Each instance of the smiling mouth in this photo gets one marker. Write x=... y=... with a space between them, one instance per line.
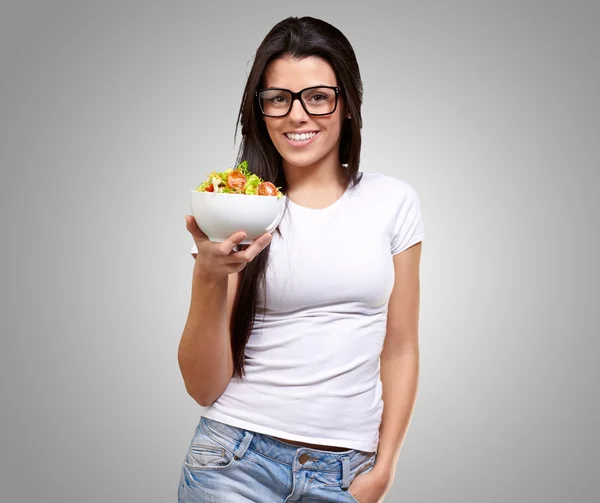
x=302 y=136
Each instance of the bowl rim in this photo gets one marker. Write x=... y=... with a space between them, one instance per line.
x=213 y=194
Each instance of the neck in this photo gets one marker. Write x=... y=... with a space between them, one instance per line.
x=317 y=185
x=325 y=176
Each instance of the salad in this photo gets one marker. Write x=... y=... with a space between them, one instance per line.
x=238 y=181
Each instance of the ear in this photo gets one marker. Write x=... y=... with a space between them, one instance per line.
x=344 y=108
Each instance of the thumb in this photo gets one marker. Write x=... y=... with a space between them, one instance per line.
x=194 y=230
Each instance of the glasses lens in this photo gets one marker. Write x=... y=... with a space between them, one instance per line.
x=319 y=100
x=275 y=102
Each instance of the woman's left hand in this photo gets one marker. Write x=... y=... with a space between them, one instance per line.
x=371 y=487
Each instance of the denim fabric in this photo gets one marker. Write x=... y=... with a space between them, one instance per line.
x=226 y=464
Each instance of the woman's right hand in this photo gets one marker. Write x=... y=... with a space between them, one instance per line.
x=219 y=260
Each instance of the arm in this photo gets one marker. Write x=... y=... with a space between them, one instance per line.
x=399 y=361
x=204 y=354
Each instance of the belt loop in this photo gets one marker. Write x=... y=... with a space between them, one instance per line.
x=345 y=473
x=243 y=447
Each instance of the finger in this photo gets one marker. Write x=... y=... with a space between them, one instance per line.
x=227 y=246
x=195 y=231
x=250 y=253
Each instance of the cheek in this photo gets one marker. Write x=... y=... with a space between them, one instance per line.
x=334 y=130
x=273 y=131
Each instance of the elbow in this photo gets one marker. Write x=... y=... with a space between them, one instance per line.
x=201 y=398
x=193 y=386
x=204 y=401
x=202 y=395
x=203 y=386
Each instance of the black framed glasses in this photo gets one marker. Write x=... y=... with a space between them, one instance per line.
x=317 y=100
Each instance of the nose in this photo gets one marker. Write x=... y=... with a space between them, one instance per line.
x=297 y=113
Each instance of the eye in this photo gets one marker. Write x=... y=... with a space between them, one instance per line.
x=277 y=99
x=319 y=97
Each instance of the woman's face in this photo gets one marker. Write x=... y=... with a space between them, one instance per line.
x=295 y=75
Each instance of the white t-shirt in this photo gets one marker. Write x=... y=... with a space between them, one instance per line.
x=312 y=360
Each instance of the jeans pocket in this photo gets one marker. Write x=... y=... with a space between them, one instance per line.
x=207 y=453
x=366 y=466
x=352 y=498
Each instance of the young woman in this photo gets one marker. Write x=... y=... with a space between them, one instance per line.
x=296 y=342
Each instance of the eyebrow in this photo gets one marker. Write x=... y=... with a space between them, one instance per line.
x=307 y=87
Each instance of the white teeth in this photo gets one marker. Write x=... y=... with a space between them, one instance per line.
x=300 y=137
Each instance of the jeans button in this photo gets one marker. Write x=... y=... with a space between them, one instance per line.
x=303 y=458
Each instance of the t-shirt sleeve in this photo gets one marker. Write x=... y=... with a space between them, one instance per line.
x=408 y=224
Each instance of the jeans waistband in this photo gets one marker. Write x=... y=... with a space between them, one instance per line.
x=240 y=439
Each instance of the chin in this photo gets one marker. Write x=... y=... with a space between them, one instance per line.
x=303 y=161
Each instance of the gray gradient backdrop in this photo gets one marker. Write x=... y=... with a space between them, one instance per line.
x=110 y=112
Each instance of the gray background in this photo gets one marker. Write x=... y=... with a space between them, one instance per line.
x=110 y=112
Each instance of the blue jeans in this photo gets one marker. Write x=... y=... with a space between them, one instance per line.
x=226 y=464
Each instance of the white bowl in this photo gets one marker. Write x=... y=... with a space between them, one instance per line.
x=221 y=215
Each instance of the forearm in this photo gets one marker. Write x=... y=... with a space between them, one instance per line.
x=204 y=353
x=399 y=378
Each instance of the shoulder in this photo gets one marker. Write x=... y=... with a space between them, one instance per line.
x=388 y=205
x=386 y=189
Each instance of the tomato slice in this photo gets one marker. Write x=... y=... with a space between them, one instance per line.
x=266 y=189
x=209 y=188
x=236 y=180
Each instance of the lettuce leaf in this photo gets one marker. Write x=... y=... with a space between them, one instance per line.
x=252 y=184
x=252 y=181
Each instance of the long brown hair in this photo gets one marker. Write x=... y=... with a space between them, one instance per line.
x=298 y=37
